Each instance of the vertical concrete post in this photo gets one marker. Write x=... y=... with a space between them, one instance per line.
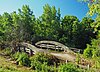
x=19 y=49
x=55 y=47
x=30 y=52
x=24 y=49
x=66 y=61
x=88 y=66
x=47 y=46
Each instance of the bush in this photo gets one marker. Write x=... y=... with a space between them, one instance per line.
x=97 y=62
x=93 y=50
x=78 y=58
x=96 y=48
x=88 y=52
x=96 y=52
x=22 y=58
x=16 y=55
x=42 y=62
x=69 y=67
x=7 y=51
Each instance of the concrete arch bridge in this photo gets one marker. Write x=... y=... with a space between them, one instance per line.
x=43 y=46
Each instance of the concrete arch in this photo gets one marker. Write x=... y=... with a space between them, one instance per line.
x=53 y=43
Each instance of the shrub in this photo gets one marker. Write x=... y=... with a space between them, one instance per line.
x=96 y=52
x=22 y=58
x=78 y=58
x=7 y=51
x=93 y=50
x=41 y=62
x=69 y=67
x=43 y=57
x=97 y=62
x=96 y=48
x=88 y=52
x=16 y=55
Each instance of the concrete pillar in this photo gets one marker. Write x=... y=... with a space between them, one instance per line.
x=55 y=47
x=30 y=52
x=24 y=49
x=88 y=66
x=66 y=61
x=19 y=49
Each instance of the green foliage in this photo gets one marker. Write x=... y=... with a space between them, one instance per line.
x=88 y=52
x=6 y=26
x=96 y=26
x=94 y=9
x=86 y=32
x=69 y=67
x=93 y=51
x=43 y=62
x=26 y=22
x=97 y=62
x=16 y=55
x=48 y=23
x=94 y=6
x=7 y=51
x=23 y=26
x=72 y=31
x=96 y=52
x=17 y=27
x=22 y=59
x=78 y=58
x=7 y=69
x=69 y=27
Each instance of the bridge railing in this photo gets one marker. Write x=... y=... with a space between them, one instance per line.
x=52 y=45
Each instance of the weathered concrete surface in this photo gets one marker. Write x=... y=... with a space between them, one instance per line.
x=65 y=48
x=63 y=56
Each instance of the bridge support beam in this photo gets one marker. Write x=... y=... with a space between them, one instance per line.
x=24 y=49
x=19 y=49
x=30 y=52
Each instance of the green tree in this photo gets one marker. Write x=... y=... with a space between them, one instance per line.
x=94 y=6
x=15 y=23
x=17 y=27
x=94 y=9
x=69 y=28
x=1 y=29
x=86 y=32
x=94 y=47
x=26 y=23
x=96 y=26
x=6 y=26
x=48 y=24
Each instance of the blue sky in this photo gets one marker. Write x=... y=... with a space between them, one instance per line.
x=68 y=7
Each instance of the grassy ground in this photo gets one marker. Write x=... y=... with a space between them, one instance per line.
x=8 y=66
